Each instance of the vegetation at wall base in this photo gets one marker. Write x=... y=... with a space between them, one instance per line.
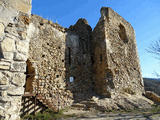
x=46 y=115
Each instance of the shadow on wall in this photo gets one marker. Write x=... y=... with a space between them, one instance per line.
x=30 y=76
x=31 y=106
x=78 y=61
x=103 y=73
x=1 y=53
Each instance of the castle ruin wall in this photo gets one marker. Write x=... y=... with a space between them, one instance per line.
x=117 y=68
x=63 y=62
x=14 y=44
x=62 y=66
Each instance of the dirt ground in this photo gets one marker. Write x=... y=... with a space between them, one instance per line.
x=88 y=115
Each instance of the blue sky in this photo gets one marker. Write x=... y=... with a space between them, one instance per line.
x=144 y=15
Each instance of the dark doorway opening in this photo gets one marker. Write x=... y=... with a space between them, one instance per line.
x=30 y=76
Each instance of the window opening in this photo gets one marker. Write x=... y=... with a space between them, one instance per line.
x=71 y=79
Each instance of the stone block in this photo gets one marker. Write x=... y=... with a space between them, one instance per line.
x=22 y=46
x=3 y=94
x=8 y=55
x=15 y=106
x=8 y=45
x=4 y=65
x=1 y=29
x=19 y=79
x=14 y=116
x=6 y=100
x=3 y=79
x=20 y=57
x=23 y=35
x=11 y=36
x=18 y=66
x=7 y=13
x=12 y=31
x=20 y=5
x=15 y=91
x=3 y=87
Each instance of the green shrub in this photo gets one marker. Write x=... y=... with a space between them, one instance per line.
x=46 y=115
x=155 y=109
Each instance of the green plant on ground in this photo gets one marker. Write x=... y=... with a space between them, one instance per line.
x=155 y=108
x=47 y=115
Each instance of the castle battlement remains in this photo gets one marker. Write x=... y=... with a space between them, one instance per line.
x=61 y=66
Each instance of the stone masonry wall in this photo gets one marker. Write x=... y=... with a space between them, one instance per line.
x=14 y=44
x=60 y=55
x=49 y=58
x=61 y=66
x=47 y=52
x=80 y=65
x=117 y=67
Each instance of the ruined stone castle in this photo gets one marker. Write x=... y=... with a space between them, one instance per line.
x=61 y=66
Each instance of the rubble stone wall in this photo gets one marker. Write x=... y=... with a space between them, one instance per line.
x=14 y=44
x=62 y=62
x=80 y=67
x=49 y=59
x=117 y=67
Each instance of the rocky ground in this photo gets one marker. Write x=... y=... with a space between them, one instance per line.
x=136 y=107
x=95 y=109
x=94 y=115
x=120 y=102
x=111 y=116
x=132 y=108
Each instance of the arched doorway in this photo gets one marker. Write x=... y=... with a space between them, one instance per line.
x=30 y=76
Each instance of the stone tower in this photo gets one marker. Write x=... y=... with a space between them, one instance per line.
x=14 y=44
x=116 y=64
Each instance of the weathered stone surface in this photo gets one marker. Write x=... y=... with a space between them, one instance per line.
x=18 y=66
x=20 y=56
x=18 y=5
x=7 y=14
x=5 y=65
x=19 y=79
x=3 y=94
x=4 y=87
x=53 y=42
x=14 y=43
x=15 y=91
x=121 y=102
x=8 y=45
x=22 y=46
x=8 y=55
x=115 y=54
x=3 y=79
x=21 y=5
x=1 y=29
x=12 y=107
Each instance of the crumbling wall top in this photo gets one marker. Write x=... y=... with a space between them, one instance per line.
x=104 y=11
